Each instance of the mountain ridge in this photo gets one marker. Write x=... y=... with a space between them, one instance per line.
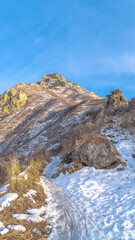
x=17 y=96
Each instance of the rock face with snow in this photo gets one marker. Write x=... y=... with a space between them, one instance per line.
x=96 y=152
x=116 y=101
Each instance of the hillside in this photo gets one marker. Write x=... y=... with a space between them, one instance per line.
x=73 y=153
x=42 y=116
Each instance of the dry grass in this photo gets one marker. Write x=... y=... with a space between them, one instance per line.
x=10 y=167
x=19 y=206
x=36 y=168
x=13 y=168
x=20 y=185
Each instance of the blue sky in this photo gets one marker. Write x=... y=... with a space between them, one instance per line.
x=90 y=42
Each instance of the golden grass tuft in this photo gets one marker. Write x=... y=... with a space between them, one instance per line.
x=36 y=168
x=13 y=168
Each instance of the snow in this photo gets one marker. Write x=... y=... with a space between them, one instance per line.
x=24 y=172
x=62 y=215
x=52 y=167
x=38 y=211
x=68 y=221
x=107 y=197
x=29 y=194
x=3 y=230
x=93 y=203
x=25 y=176
x=94 y=95
x=33 y=216
x=20 y=216
x=54 y=146
x=4 y=189
x=6 y=199
x=17 y=227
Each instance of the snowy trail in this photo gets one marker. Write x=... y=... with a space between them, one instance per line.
x=70 y=222
x=66 y=225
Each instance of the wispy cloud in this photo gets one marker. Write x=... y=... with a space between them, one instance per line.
x=86 y=66
x=124 y=63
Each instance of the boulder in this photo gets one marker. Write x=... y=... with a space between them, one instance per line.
x=96 y=152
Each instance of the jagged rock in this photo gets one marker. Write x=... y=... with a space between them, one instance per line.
x=116 y=101
x=55 y=80
x=96 y=152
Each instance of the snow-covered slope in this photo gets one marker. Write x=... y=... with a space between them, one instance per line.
x=105 y=199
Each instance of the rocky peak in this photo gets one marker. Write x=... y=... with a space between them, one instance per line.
x=116 y=101
x=55 y=80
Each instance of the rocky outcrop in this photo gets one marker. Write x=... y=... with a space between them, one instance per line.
x=96 y=152
x=132 y=104
x=116 y=101
x=13 y=99
x=55 y=80
x=16 y=97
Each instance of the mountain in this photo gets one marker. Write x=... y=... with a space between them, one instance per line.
x=67 y=165
x=43 y=113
